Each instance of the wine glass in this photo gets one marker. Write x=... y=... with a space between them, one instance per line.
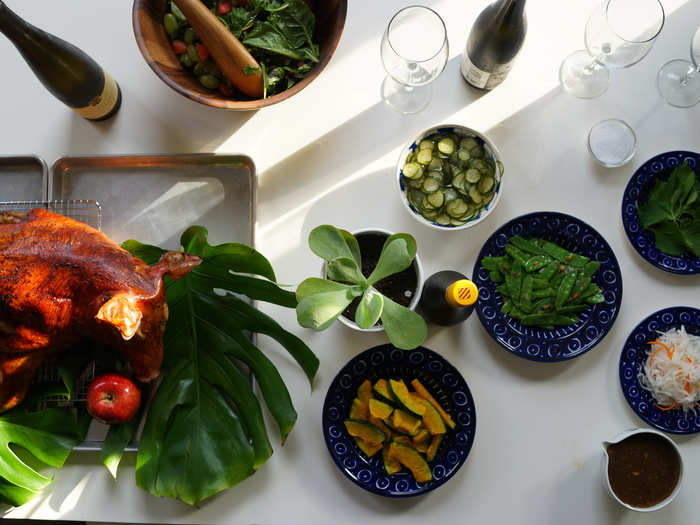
x=414 y=52
x=679 y=80
x=619 y=33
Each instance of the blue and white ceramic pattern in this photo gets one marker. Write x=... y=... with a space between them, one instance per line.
x=566 y=342
x=633 y=357
x=489 y=149
x=443 y=381
x=637 y=191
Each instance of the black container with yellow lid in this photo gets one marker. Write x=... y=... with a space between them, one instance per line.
x=448 y=298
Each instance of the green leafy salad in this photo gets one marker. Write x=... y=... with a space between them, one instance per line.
x=672 y=212
x=279 y=34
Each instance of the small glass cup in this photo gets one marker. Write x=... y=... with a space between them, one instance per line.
x=612 y=143
x=414 y=51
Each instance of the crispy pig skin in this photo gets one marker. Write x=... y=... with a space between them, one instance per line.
x=62 y=282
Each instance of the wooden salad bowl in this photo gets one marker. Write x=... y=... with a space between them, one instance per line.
x=147 y=17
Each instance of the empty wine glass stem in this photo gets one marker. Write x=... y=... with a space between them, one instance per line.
x=593 y=66
x=692 y=72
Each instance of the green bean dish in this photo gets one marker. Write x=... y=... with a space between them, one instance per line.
x=543 y=284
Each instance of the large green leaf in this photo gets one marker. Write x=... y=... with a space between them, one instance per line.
x=44 y=437
x=345 y=269
x=328 y=242
x=398 y=253
x=370 y=308
x=318 y=310
x=404 y=328
x=204 y=431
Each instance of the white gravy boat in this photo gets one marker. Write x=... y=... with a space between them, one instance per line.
x=606 y=459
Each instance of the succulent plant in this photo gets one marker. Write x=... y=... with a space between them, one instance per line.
x=321 y=301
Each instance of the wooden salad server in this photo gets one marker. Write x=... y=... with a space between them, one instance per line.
x=227 y=51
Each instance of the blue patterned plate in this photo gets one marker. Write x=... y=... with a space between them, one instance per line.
x=565 y=342
x=632 y=359
x=638 y=188
x=443 y=381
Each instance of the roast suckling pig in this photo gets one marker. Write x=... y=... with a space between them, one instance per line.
x=62 y=282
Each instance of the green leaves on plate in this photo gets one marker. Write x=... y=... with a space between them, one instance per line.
x=204 y=431
x=672 y=212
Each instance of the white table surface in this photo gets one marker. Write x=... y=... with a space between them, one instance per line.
x=327 y=156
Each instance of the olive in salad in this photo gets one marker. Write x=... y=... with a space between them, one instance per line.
x=449 y=179
x=278 y=33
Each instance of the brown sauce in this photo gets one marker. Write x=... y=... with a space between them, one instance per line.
x=643 y=469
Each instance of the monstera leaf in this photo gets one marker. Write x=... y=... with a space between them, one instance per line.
x=31 y=440
x=204 y=431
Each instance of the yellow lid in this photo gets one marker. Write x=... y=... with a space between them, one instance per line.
x=461 y=293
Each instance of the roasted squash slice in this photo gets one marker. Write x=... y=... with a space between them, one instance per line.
x=364 y=391
x=405 y=422
x=379 y=409
x=369 y=449
x=409 y=401
x=404 y=440
x=381 y=388
x=412 y=460
x=359 y=410
x=381 y=426
x=423 y=392
x=366 y=431
x=421 y=440
x=432 y=419
x=392 y=466
x=433 y=448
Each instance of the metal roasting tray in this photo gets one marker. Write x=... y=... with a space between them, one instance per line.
x=152 y=198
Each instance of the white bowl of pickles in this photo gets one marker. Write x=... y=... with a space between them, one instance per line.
x=450 y=177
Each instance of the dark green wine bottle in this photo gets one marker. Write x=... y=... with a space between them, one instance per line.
x=67 y=72
x=494 y=42
x=447 y=298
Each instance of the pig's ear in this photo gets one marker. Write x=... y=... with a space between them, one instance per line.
x=123 y=313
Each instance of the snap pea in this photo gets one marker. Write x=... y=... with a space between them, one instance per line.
x=564 y=290
x=591 y=289
x=596 y=298
x=507 y=306
x=548 y=271
x=582 y=282
x=543 y=305
x=493 y=263
x=526 y=293
x=563 y=255
x=526 y=245
x=549 y=319
x=591 y=268
x=496 y=276
x=572 y=309
x=503 y=289
x=538 y=283
x=516 y=279
x=543 y=292
x=516 y=254
x=536 y=262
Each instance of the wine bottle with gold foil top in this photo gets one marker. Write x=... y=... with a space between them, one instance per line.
x=67 y=72
x=448 y=298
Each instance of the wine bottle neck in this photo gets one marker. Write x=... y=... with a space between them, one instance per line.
x=12 y=25
x=511 y=9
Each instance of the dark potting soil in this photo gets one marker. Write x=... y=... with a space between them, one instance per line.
x=399 y=287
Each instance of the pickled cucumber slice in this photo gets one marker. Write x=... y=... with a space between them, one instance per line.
x=485 y=184
x=416 y=183
x=430 y=185
x=411 y=170
x=437 y=198
x=474 y=195
x=468 y=143
x=446 y=146
x=426 y=144
x=424 y=156
x=473 y=175
x=456 y=208
x=443 y=219
x=435 y=164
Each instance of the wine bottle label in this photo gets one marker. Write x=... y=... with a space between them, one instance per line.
x=102 y=103
x=480 y=78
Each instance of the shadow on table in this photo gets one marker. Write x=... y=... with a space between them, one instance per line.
x=174 y=124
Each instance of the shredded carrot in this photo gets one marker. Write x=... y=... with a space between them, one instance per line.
x=670 y=407
x=669 y=351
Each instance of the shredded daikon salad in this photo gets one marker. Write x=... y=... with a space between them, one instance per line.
x=672 y=370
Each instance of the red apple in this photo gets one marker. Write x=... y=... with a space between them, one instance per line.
x=113 y=399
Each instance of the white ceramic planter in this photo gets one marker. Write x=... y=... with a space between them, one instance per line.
x=414 y=300
x=622 y=437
